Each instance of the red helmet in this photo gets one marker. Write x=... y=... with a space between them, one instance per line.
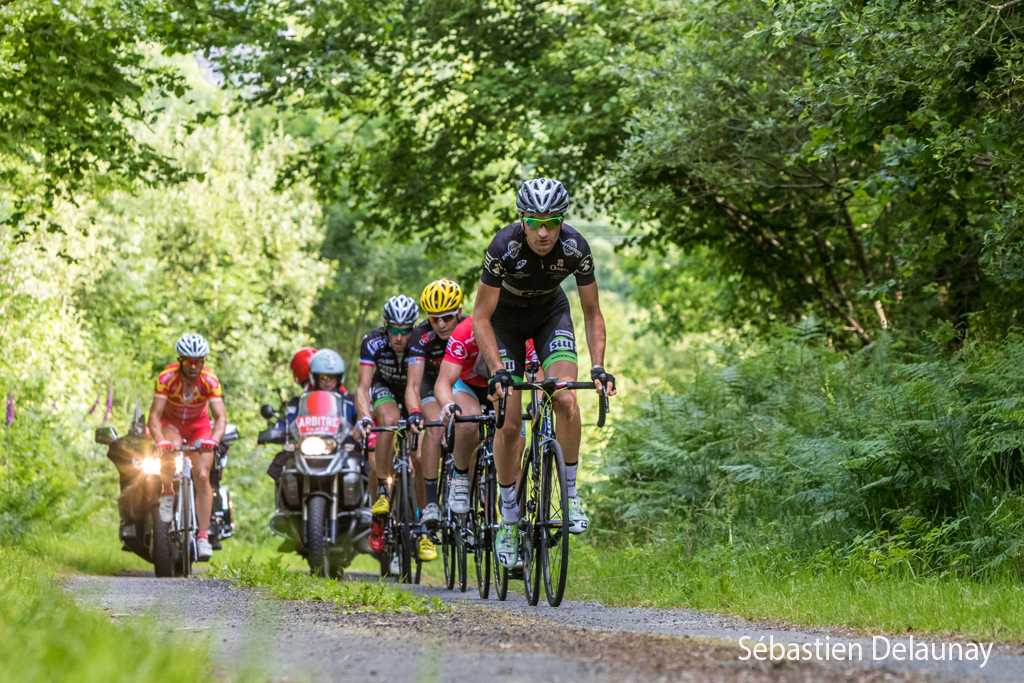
x=300 y=364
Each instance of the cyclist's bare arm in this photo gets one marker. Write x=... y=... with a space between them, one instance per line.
x=363 y=407
x=220 y=418
x=593 y=321
x=446 y=378
x=412 y=386
x=483 y=309
x=156 y=411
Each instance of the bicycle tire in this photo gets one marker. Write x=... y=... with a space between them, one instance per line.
x=554 y=540
x=482 y=510
x=186 y=539
x=529 y=508
x=462 y=553
x=403 y=528
x=447 y=540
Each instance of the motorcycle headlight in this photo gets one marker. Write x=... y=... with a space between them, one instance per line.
x=150 y=465
x=314 y=445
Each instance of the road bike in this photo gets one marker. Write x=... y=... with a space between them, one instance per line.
x=403 y=526
x=474 y=531
x=542 y=492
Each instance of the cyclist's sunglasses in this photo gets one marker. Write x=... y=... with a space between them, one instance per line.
x=446 y=318
x=192 y=362
x=401 y=331
x=543 y=222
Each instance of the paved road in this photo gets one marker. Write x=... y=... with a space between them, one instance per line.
x=487 y=640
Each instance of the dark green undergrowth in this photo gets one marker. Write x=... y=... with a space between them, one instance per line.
x=348 y=596
x=902 y=460
x=46 y=636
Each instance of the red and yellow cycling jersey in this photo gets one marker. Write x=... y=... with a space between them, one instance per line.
x=181 y=408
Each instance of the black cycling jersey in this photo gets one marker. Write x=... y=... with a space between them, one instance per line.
x=427 y=348
x=527 y=279
x=388 y=368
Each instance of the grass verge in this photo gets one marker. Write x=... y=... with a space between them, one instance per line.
x=46 y=636
x=661 y=577
x=347 y=596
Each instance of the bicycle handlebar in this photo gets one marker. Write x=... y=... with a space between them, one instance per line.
x=549 y=386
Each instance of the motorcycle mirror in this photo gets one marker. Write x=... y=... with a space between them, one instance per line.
x=106 y=435
x=267 y=411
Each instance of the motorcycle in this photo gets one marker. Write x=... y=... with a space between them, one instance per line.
x=321 y=496
x=170 y=546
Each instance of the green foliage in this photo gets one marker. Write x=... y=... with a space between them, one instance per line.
x=46 y=636
x=439 y=107
x=895 y=459
x=347 y=596
x=854 y=160
x=227 y=256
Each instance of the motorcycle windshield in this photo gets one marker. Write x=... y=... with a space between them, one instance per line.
x=320 y=414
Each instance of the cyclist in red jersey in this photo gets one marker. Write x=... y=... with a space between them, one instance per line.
x=461 y=388
x=178 y=415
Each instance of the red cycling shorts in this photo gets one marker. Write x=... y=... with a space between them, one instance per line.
x=199 y=428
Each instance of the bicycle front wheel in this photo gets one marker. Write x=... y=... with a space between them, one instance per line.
x=447 y=537
x=529 y=517
x=553 y=524
x=483 y=520
x=401 y=527
x=186 y=533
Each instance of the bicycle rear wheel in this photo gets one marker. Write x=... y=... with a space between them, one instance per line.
x=529 y=509
x=553 y=524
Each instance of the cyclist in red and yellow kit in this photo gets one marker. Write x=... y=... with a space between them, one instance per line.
x=179 y=416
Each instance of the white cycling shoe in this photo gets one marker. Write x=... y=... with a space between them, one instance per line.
x=396 y=566
x=458 y=494
x=431 y=513
x=578 y=520
x=166 y=509
x=203 y=549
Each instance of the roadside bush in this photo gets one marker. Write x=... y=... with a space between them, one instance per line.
x=901 y=457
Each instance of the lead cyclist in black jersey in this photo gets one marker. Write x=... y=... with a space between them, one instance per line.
x=521 y=298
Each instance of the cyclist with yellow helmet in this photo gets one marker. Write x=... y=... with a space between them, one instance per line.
x=442 y=302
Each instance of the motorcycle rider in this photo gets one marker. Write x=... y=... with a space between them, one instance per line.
x=178 y=414
x=442 y=301
x=327 y=370
x=383 y=365
x=300 y=371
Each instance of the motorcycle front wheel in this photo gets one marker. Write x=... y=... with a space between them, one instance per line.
x=162 y=552
x=316 y=537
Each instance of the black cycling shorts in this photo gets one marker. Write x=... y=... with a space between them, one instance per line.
x=549 y=326
x=383 y=393
x=427 y=389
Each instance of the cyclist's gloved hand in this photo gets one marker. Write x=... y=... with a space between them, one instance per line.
x=164 y=445
x=363 y=427
x=604 y=378
x=207 y=444
x=502 y=377
x=415 y=421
